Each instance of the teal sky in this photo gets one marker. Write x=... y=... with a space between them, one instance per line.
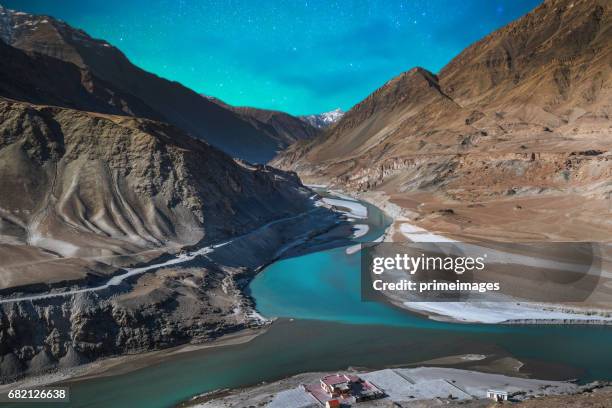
x=297 y=56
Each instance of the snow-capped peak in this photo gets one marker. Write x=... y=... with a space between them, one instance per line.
x=323 y=120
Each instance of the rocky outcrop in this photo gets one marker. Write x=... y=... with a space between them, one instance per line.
x=165 y=309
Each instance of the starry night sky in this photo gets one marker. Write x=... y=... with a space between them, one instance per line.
x=297 y=56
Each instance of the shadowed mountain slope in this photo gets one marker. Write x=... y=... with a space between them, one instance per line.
x=165 y=100
x=282 y=127
x=39 y=79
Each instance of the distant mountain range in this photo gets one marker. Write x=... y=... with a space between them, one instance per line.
x=324 y=120
x=129 y=89
x=523 y=114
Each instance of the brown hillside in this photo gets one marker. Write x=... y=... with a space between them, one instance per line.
x=523 y=114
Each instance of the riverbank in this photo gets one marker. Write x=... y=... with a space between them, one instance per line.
x=406 y=228
x=546 y=352
x=425 y=386
x=197 y=296
x=128 y=363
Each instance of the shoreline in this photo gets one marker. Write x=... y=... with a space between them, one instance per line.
x=253 y=323
x=122 y=364
x=402 y=216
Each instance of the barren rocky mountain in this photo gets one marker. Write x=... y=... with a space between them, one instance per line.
x=100 y=172
x=163 y=100
x=89 y=185
x=513 y=135
x=87 y=194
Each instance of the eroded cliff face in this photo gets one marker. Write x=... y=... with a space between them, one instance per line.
x=473 y=177
x=523 y=112
x=163 y=310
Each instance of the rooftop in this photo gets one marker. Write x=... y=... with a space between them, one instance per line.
x=335 y=379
